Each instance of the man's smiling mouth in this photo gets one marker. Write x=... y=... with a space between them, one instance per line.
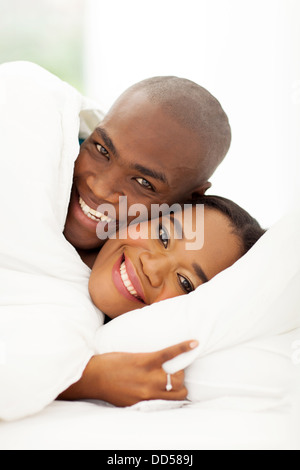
x=93 y=214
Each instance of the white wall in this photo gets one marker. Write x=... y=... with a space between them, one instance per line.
x=245 y=52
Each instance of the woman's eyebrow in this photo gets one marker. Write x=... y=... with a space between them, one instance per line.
x=107 y=140
x=180 y=234
x=178 y=227
x=200 y=273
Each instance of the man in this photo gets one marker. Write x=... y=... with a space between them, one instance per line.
x=160 y=143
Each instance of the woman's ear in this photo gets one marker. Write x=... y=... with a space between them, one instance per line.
x=201 y=190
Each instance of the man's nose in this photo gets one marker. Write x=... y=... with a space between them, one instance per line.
x=107 y=188
x=156 y=267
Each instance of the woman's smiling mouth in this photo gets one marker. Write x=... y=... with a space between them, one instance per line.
x=126 y=280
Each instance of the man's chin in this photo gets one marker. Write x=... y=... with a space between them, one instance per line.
x=84 y=242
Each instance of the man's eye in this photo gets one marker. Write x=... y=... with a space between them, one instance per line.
x=163 y=236
x=185 y=284
x=144 y=183
x=102 y=150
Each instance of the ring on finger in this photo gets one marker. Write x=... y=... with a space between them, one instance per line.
x=169 y=385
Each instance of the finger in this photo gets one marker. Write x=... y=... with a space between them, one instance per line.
x=175 y=395
x=177 y=381
x=167 y=354
x=178 y=391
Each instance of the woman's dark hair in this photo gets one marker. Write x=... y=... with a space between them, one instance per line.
x=244 y=225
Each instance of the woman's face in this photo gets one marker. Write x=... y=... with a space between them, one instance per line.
x=132 y=272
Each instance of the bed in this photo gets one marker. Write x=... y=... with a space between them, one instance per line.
x=243 y=379
x=98 y=426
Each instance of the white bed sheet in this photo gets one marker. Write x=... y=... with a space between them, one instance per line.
x=219 y=424
x=98 y=426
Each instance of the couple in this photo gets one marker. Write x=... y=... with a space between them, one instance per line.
x=160 y=143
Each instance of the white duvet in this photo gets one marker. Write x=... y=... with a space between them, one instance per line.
x=47 y=321
x=247 y=319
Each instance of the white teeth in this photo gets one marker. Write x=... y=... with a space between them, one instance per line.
x=92 y=214
x=126 y=280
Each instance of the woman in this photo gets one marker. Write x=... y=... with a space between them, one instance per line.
x=131 y=272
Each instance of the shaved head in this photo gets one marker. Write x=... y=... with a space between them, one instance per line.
x=159 y=143
x=194 y=108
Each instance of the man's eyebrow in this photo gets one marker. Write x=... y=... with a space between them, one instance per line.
x=157 y=175
x=107 y=140
x=200 y=273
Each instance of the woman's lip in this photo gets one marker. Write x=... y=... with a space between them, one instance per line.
x=117 y=280
x=134 y=278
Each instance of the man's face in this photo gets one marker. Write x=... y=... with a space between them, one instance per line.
x=139 y=152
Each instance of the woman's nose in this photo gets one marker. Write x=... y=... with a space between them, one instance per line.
x=155 y=267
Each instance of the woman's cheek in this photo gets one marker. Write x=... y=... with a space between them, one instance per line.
x=168 y=293
x=106 y=298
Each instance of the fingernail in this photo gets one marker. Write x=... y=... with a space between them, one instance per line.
x=194 y=344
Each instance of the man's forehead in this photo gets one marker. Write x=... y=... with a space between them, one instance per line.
x=135 y=116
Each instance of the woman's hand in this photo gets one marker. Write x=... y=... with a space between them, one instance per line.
x=124 y=379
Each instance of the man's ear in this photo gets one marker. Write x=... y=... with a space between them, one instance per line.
x=201 y=190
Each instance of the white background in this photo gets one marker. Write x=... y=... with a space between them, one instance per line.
x=247 y=53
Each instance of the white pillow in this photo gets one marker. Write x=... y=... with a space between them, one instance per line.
x=246 y=320
x=47 y=320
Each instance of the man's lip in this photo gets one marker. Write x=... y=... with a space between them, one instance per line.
x=134 y=278
x=118 y=282
x=83 y=217
x=87 y=199
x=93 y=205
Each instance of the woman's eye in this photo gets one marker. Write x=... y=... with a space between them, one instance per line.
x=163 y=236
x=144 y=183
x=185 y=284
x=102 y=150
